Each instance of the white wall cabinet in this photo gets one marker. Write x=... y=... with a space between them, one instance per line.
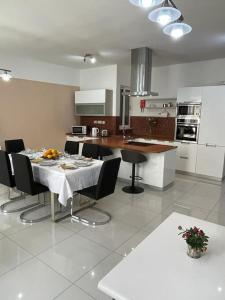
x=186 y=157
x=212 y=124
x=93 y=103
x=189 y=94
x=210 y=161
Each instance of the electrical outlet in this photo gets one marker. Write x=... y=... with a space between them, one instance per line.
x=103 y=122
x=95 y=122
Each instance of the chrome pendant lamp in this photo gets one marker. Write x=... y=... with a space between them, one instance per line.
x=177 y=30
x=165 y=14
x=146 y=3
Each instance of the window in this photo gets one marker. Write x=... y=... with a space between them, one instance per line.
x=124 y=107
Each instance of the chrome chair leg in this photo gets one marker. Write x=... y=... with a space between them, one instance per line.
x=23 y=216
x=5 y=208
x=85 y=221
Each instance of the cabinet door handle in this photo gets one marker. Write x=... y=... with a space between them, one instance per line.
x=210 y=145
x=183 y=157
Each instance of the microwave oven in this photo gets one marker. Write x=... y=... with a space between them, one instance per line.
x=78 y=129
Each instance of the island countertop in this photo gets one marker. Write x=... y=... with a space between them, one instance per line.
x=118 y=142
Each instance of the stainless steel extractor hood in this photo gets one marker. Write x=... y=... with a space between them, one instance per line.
x=141 y=72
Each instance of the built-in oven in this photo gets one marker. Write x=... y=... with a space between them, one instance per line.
x=189 y=109
x=187 y=130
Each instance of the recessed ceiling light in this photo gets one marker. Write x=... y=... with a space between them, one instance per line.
x=146 y=3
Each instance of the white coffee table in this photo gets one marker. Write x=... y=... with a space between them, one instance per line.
x=159 y=268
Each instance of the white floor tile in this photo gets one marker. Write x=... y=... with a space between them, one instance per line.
x=11 y=255
x=217 y=218
x=203 y=202
x=132 y=243
x=134 y=216
x=111 y=235
x=74 y=257
x=73 y=293
x=89 y=282
x=10 y=223
x=39 y=237
x=32 y=280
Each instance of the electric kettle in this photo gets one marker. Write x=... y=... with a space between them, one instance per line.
x=94 y=131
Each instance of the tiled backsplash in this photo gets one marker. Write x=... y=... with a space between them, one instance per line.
x=111 y=123
x=161 y=128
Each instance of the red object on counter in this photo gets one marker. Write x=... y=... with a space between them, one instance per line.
x=142 y=105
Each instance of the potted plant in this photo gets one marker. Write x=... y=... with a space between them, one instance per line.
x=196 y=240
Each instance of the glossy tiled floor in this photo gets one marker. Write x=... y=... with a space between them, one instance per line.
x=65 y=261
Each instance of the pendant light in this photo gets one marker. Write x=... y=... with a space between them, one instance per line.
x=177 y=30
x=6 y=76
x=165 y=14
x=146 y=3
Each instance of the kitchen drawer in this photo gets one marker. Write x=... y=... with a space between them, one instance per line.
x=186 y=157
x=210 y=161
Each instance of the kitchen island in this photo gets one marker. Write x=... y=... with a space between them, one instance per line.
x=159 y=169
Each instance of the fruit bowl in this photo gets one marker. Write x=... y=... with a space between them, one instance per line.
x=51 y=154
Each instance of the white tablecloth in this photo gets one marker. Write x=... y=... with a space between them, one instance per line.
x=66 y=182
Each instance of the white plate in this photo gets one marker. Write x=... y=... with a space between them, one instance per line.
x=83 y=164
x=47 y=163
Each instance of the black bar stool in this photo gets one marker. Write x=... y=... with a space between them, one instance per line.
x=134 y=158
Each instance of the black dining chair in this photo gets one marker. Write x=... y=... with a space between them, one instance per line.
x=71 y=147
x=105 y=187
x=8 y=179
x=90 y=150
x=14 y=146
x=25 y=183
x=104 y=152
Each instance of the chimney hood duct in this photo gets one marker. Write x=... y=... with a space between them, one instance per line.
x=141 y=72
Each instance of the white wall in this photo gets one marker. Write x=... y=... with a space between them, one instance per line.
x=100 y=78
x=40 y=71
x=166 y=80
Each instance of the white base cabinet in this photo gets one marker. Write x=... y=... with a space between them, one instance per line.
x=186 y=157
x=210 y=161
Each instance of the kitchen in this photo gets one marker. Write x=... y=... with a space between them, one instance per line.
x=114 y=185
x=182 y=122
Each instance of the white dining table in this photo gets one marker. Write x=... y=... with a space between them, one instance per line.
x=63 y=183
x=160 y=269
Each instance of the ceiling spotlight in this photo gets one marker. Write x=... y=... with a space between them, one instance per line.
x=177 y=30
x=5 y=75
x=164 y=15
x=90 y=58
x=146 y=3
x=93 y=60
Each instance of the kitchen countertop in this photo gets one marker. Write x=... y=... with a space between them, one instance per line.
x=116 y=141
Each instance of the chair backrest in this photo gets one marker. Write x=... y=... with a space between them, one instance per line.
x=132 y=156
x=14 y=146
x=107 y=178
x=23 y=173
x=6 y=176
x=104 y=151
x=72 y=147
x=90 y=150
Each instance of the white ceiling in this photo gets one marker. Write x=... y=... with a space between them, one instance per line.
x=57 y=30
